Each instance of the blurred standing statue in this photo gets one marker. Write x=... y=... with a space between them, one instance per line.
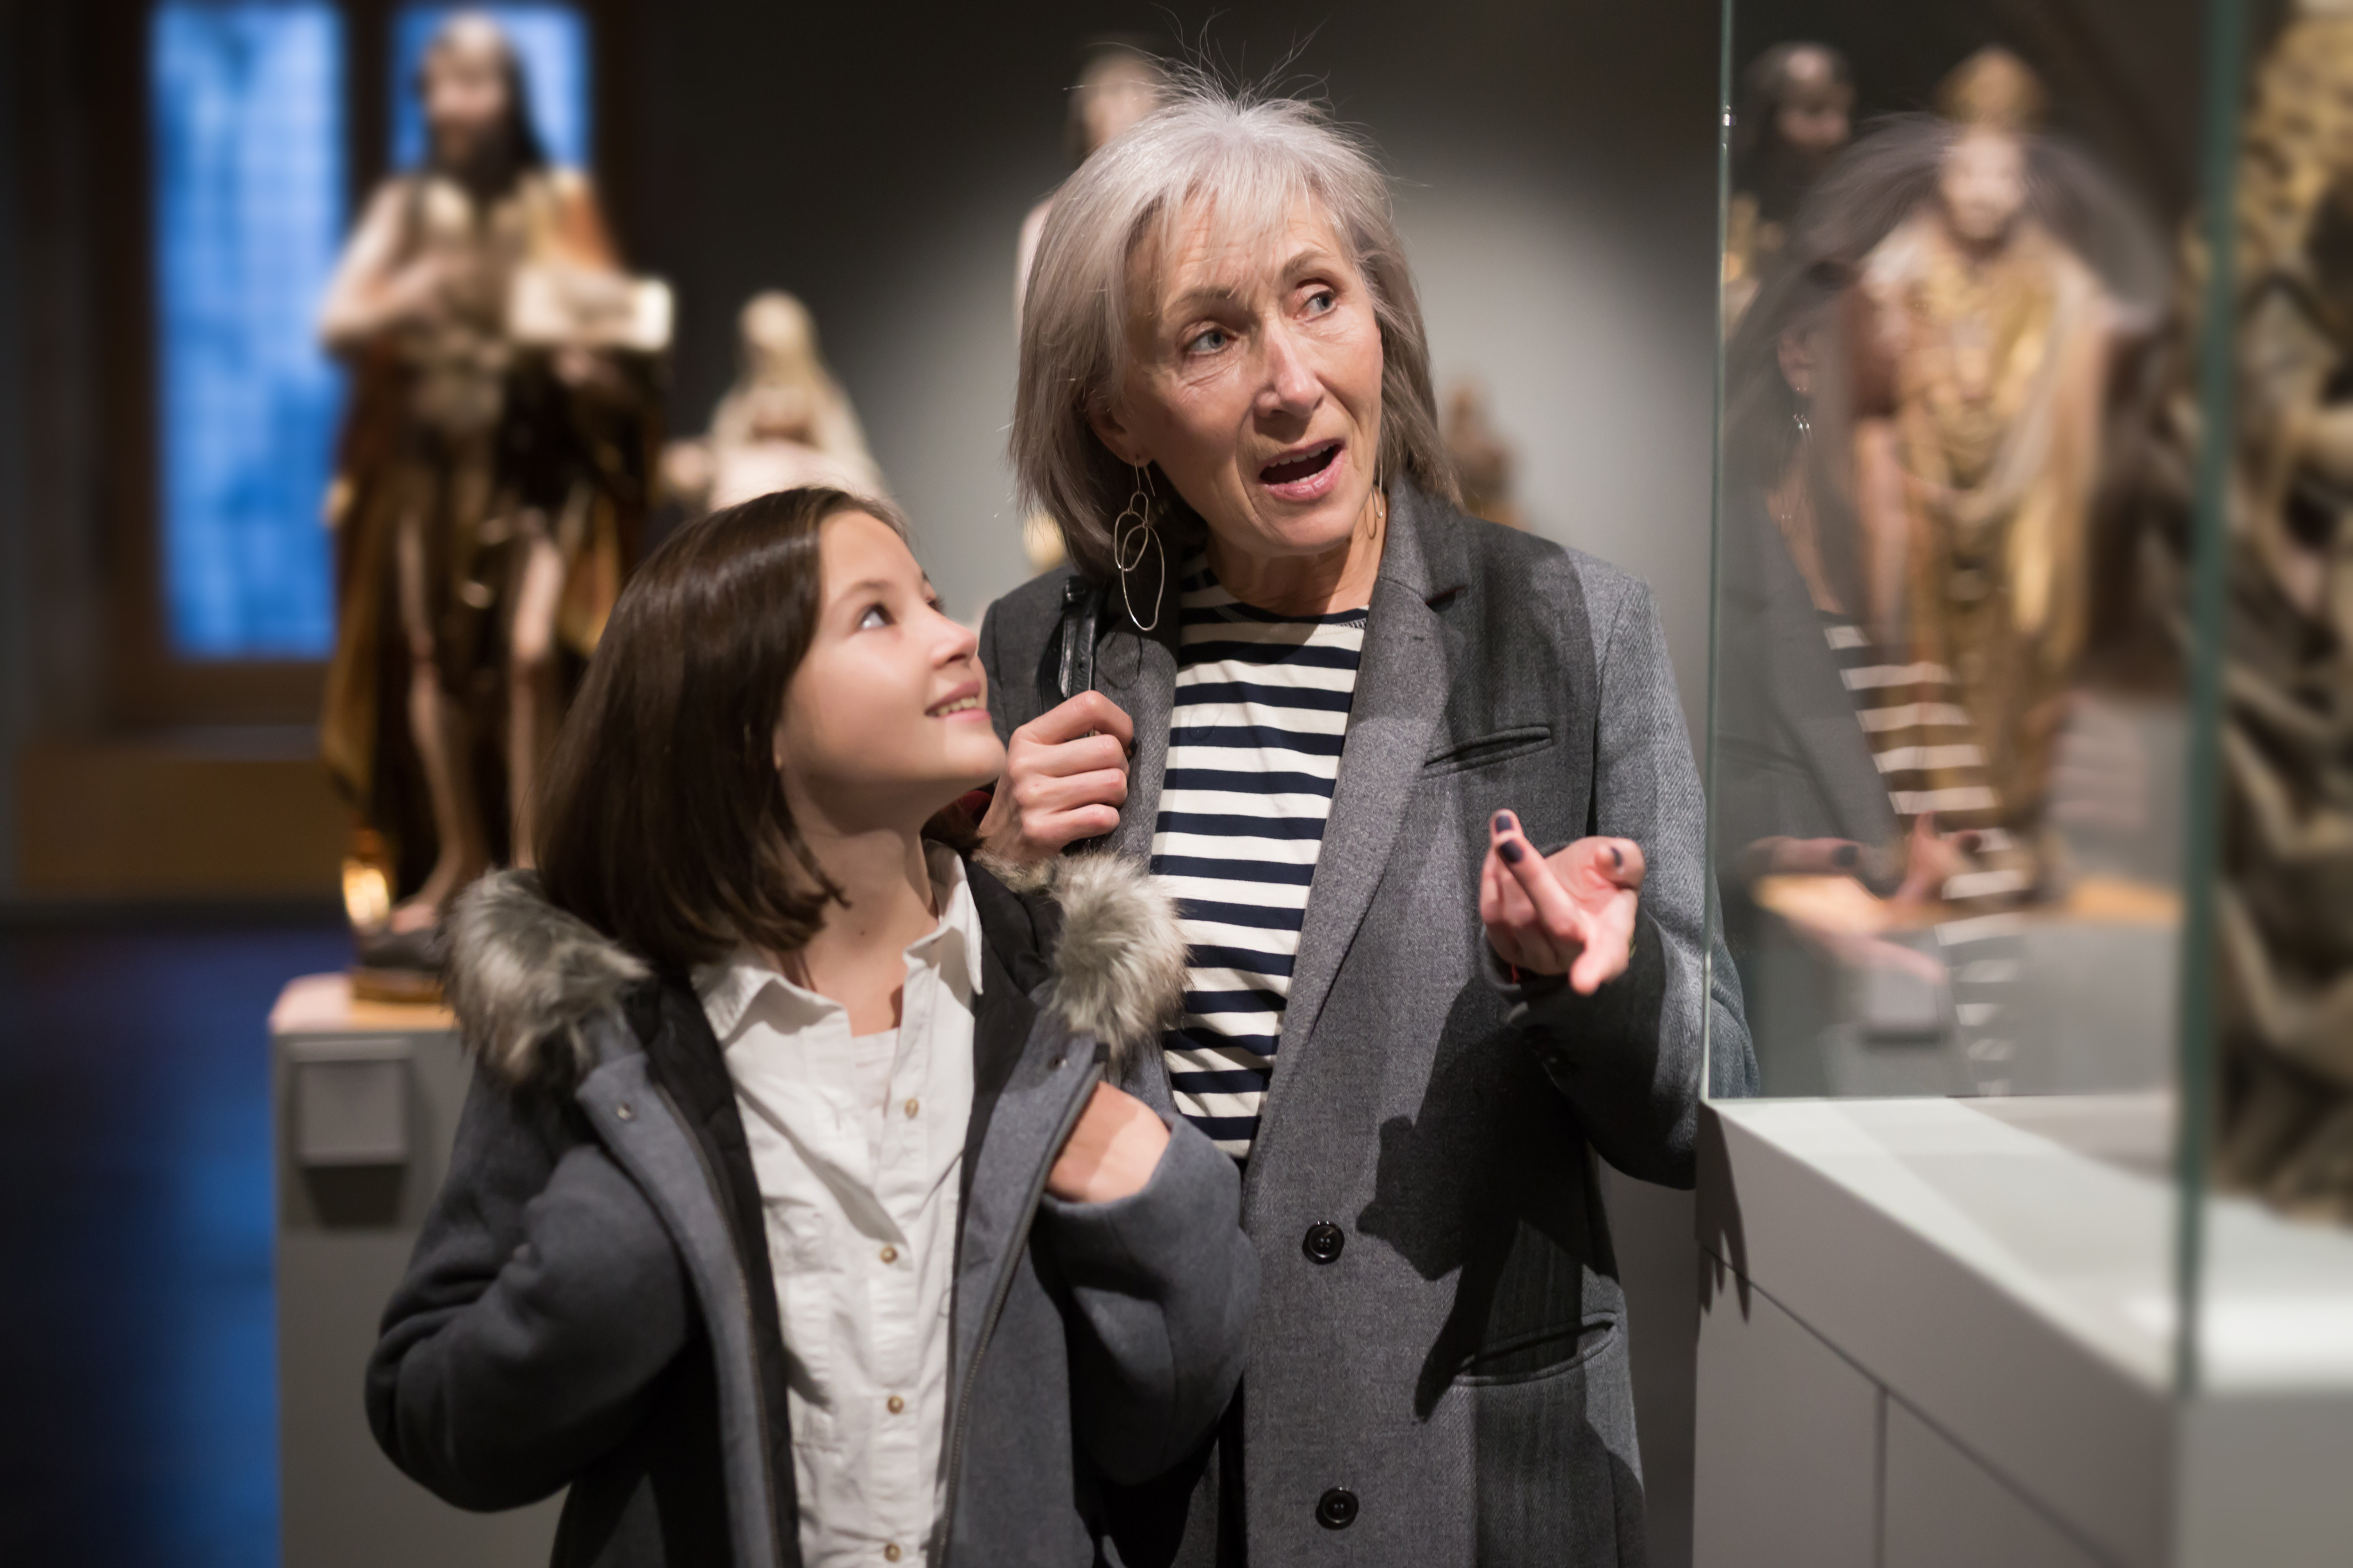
x=784 y=423
x=2286 y=901
x=1118 y=85
x=1797 y=114
x=493 y=472
x=1984 y=362
x=1483 y=461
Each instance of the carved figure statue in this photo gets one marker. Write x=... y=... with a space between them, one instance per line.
x=1483 y=460
x=493 y=472
x=2285 y=962
x=1985 y=356
x=1797 y=114
x=1118 y=85
x=784 y=423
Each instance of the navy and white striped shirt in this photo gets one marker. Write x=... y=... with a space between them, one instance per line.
x=1260 y=716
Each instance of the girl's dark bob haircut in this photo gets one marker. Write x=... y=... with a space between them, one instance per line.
x=664 y=823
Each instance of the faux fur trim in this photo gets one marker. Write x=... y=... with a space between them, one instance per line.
x=525 y=976
x=1119 y=974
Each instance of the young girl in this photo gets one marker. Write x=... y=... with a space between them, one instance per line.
x=791 y=1218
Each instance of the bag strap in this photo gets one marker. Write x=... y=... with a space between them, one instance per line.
x=1074 y=660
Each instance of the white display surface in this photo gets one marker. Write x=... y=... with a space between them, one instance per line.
x=2005 y=1270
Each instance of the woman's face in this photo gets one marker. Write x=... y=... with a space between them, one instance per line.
x=886 y=721
x=1254 y=381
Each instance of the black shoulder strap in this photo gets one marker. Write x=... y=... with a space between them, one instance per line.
x=1074 y=662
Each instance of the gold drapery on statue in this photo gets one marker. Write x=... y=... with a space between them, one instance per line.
x=466 y=444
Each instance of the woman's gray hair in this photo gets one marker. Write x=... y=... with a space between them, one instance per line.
x=1251 y=162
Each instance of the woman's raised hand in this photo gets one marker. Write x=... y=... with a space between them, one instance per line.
x=1572 y=913
x=1065 y=779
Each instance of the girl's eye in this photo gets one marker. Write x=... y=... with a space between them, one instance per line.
x=1209 y=341
x=875 y=615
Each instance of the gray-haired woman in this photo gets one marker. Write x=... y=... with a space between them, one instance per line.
x=1345 y=723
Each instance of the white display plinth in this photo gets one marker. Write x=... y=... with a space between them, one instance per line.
x=1952 y=1295
x=364 y=1098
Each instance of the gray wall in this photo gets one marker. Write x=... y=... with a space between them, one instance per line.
x=1556 y=168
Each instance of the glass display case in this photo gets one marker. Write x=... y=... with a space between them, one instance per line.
x=2030 y=750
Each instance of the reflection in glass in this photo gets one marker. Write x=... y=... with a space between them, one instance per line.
x=1930 y=821
x=247 y=108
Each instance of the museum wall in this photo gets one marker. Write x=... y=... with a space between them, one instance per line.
x=1557 y=176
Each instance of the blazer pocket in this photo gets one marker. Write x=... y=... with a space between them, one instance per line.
x=1487 y=750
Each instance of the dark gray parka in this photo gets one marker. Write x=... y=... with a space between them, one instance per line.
x=1438 y=1372
x=591 y=1304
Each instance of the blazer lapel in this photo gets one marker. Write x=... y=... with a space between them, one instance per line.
x=1401 y=686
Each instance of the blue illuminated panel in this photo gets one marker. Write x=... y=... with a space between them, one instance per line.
x=552 y=43
x=247 y=110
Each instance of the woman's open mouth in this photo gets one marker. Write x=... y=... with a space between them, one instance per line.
x=1310 y=475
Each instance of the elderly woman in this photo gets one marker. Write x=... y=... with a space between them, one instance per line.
x=1353 y=728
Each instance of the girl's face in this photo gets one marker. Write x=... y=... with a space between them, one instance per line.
x=886 y=721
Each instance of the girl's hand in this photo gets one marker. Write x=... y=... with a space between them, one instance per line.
x=1113 y=1150
x=1572 y=914
x=1065 y=779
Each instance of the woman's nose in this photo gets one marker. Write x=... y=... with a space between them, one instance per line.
x=1292 y=385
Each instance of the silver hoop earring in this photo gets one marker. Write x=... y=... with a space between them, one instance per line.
x=1133 y=528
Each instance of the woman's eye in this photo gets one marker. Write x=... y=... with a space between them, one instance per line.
x=875 y=615
x=1321 y=300
x=1209 y=341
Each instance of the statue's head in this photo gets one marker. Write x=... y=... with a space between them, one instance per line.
x=1119 y=85
x=1994 y=101
x=1981 y=185
x=477 y=112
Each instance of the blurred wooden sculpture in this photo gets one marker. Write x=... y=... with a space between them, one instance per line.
x=1119 y=83
x=1982 y=370
x=1483 y=461
x=1797 y=114
x=2286 y=898
x=784 y=423
x=491 y=479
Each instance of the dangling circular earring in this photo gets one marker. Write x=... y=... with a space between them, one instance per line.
x=1134 y=527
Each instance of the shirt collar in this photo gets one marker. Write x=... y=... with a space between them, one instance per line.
x=728 y=989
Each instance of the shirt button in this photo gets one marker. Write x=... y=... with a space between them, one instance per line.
x=1324 y=1241
x=890 y=1554
x=914 y=1105
x=1336 y=1508
x=890 y=1255
x=898 y=1405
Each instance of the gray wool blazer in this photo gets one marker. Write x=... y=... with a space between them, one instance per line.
x=1451 y=1387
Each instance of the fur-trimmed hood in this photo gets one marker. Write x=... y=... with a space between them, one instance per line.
x=524 y=976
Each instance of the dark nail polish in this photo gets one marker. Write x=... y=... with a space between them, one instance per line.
x=1847 y=856
x=1503 y=823
x=1509 y=851
x=1618 y=857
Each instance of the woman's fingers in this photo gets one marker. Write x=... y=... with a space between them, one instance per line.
x=1556 y=913
x=1065 y=779
x=1088 y=713
x=1045 y=793
x=1088 y=754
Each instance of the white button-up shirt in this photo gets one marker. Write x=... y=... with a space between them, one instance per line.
x=860 y=1191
